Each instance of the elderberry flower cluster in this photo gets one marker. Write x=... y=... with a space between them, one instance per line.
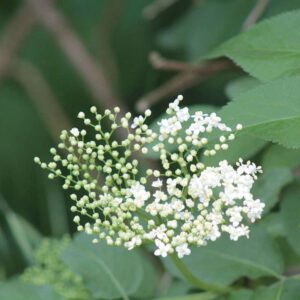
x=183 y=203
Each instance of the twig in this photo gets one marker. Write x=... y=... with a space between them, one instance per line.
x=255 y=13
x=107 y=26
x=155 y=8
x=87 y=67
x=42 y=96
x=161 y=63
x=14 y=34
x=183 y=81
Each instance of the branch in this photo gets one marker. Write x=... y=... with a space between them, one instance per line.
x=14 y=34
x=256 y=13
x=161 y=63
x=151 y=11
x=42 y=97
x=183 y=81
x=89 y=69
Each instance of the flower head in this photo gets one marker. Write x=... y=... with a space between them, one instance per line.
x=185 y=203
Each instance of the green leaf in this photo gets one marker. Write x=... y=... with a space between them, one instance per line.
x=240 y=295
x=108 y=272
x=290 y=210
x=291 y=258
x=243 y=146
x=15 y=290
x=267 y=50
x=276 y=7
x=229 y=14
x=269 y=185
x=237 y=295
x=270 y=111
x=273 y=224
x=199 y=296
x=284 y=290
x=177 y=288
x=155 y=127
x=239 y=86
x=23 y=234
x=150 y=279
x=277 y=156
x=224 y=261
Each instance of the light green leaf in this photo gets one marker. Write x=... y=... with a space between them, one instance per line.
x=277 y=156
x=285 y=290
x=229 y=14
x=269 y=185
x=267 y=50
x=290 y=210
x=224 y=261
x=108 y=272
x=155 y=127
x=239 y=86
x=270 y=111
x=15 y=290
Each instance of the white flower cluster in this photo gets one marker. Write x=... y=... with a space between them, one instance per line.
x=185 y=203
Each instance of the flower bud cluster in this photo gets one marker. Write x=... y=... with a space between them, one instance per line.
x=185 y=203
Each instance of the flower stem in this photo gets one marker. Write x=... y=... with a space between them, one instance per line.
x=218 y=289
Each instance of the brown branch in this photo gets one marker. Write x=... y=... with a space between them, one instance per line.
x=107 y=26
x=183 y=81
x=14 y=34
x=156 y=7
x=42 y=96
x=161 y=63
x=255 y=13
x=89 y=69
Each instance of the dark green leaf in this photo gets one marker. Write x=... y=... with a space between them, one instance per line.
x=225 y=261
x=19 y=291
x=290 y=211
x=200 y=296
x=269 y=185
x=267 y=50
x=277 y=156
x=150 y=280
x=240 y=85
x=205 y=26
x=108 y=272
x=270 y=111
x=243 y=146
x=272 y=222
x=240 y=295
x=285 y=290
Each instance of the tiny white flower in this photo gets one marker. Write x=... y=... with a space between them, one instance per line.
x=157 y=183
x=75 y=131
x=162 y=248
x=183 y=114
x=183 y=250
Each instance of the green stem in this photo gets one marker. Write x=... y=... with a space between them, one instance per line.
x=218 y=289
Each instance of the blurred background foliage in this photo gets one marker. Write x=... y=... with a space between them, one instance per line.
x=61 y=57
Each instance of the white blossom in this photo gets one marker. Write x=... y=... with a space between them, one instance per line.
x=139 y=194
x=162 y=248
x=182 y=204
x=75 y=131
x=183 y=250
